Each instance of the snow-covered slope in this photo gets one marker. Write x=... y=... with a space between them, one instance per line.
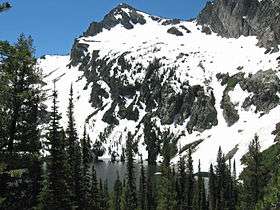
x=119 y=56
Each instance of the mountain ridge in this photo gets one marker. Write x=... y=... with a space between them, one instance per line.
x=201 y=88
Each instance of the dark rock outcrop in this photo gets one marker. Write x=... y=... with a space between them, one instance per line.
x=175 y=31
x=263 y=87
x=233 y=18
x=123 y=14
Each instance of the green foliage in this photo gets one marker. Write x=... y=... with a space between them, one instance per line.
x=58 y=168
x=167 y=193
x=253 y=176
x=21 y=111
x=130 y=194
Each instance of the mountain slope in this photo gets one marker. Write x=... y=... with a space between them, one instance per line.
x=208 y=90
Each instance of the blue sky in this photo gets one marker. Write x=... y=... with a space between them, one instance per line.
x=54 y=24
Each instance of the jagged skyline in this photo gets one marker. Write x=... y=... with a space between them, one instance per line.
x=69 y=19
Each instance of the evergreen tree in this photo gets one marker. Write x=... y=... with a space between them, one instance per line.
x=233 y=197
x=190 y=181
x=74 y=155
x=117 y=193
x=167 y=194
x=131 y=194
x=220 y=181
x=153 y=149
x=58 y=189
x=5 y=6
x=106 y=195
x=200 y=196
x=212 y=189
x=86 y=176
x=182 y=184
x=95 y=194
x=142 y=187
x=20 y=114
x=253 y=176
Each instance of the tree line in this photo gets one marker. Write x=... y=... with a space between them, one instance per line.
x=66 y=178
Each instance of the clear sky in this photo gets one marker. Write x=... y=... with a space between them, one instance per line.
x=54 y=24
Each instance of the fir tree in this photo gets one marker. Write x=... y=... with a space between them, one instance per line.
x=142 y=187
x=20 y=114
x=182 y=184
x=95 y=194
x=59 y=193
x=220 y=180
x=153 y=149
x=117 y=193
x=131 y=194
x=106 y=195
x=190 y=181
x=212 y=189
x=167 y=194
x=86 y=176
x=200 y=196
x=253 y=176
x=74 y=154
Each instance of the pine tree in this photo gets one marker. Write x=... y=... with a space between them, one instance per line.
x=233 y=188
x=167 y=194
x=86 y=176
x=200 y=196
x=74 y=154
x=58 y=189
x=220 y=181
x=182 y=184
x=153 y=149
x=131 y=194
x=95 y=194
x=20 y=114
x=190 y=181
x=117 y=193
x=253 y=176
x=212 y=189
x=142 y=187
x=106 y=195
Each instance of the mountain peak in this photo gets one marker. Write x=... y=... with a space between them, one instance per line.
x=123 y=14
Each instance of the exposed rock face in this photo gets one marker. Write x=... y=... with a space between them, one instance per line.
x=233 y=18
x=230 y=113
x=122 y=14
x=263 y=87
x=175 y=31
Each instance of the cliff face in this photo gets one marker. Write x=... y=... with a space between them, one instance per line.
x=203 y=89
x=234 y=18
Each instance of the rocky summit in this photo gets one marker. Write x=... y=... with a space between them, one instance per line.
x=207 y=82
x=235 y=18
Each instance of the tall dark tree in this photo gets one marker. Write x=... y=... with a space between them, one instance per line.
x=220 y=180
x=153 y=149
x=5 y=6
x=59 y=192
x=253 y=176
x=117 y=193
x=131 y=194
x=182 y=184
x=20 y=116
x=86 y=175
x=142 y=187
x=74 y=154
x=190 y=181
x=167 y=193
x=200 y=196
x=212 y=189
x=95 y=194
